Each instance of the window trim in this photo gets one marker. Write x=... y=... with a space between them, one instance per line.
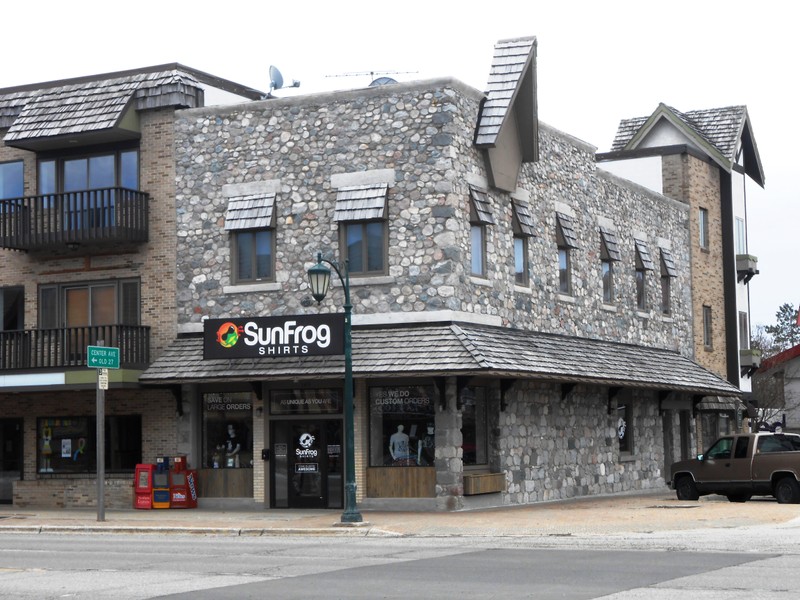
x=344 y=250
x=521 y=271
x=11 y=163
x=703 y=226
x=60 y=305
x=235 y=235
x=708 y=330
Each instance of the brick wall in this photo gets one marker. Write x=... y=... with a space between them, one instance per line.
x=697 y=183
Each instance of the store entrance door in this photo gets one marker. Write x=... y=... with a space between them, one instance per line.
x=10 y=457
x=307 y=464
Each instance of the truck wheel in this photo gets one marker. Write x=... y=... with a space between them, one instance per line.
x=686 y=489
x=787 y=491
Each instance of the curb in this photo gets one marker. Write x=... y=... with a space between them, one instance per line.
x=218 y=531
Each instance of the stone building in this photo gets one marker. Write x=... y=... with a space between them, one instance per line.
x=522 y=321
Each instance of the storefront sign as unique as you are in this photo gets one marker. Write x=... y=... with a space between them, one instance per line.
x=257 y=337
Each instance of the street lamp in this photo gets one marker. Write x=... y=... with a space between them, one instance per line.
x=319 y=277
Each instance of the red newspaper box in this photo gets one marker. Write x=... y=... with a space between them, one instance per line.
x=143 y=486
x=182 y=485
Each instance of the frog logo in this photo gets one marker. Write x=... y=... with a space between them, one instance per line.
x=228 y=334
x=307 y=440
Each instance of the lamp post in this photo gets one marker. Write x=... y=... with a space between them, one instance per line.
x=319 y=277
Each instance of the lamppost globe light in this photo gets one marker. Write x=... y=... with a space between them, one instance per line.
x=319 y=278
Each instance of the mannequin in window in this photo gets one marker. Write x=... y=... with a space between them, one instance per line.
x=232 y=447
x=398 y=445
x=426 y=448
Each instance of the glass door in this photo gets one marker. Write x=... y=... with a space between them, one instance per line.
x=306 y=464
x=10 y=457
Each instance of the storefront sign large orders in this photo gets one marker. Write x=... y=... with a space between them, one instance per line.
x=299 y=335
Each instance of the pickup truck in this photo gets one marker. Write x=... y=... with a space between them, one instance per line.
x=740 y=466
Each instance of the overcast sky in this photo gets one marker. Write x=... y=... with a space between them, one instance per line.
x=598 y=63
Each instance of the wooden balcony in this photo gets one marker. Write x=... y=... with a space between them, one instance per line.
x=90 y=218
x=31 y=349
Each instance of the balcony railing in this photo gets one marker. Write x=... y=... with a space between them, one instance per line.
x=71 y=219
x=66 y=346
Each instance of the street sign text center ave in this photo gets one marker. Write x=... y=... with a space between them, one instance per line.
x=102 y=357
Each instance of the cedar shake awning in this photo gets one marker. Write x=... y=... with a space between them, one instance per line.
x=455 y=349
x=609 y=239
x=667 y=263
x=481 y=206
x=522 y=212
x=361 y=202
x=253 y=211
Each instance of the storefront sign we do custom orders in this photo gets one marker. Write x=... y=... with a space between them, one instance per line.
x=264 y=337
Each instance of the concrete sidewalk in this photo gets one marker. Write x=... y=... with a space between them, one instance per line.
x=640 y=513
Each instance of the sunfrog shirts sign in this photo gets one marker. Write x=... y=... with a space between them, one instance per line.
x=269 y=337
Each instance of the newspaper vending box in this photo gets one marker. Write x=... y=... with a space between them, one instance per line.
x=143 y=487
x=182 y=485
x=161 y=483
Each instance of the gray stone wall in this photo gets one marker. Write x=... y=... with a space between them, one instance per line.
x=422 y=133
x=552 y=448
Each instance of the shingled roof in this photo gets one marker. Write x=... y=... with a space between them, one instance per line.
x=457 y=349
x=717 y=131
x=39 y=113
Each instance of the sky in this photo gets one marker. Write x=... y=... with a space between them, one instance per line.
x=598 y=63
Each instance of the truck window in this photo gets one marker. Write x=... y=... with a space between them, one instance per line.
x=721 y=448
x=741 y=447
x=769 y=444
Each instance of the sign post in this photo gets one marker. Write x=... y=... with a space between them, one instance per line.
x=101 y=358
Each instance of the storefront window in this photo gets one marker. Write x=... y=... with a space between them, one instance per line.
x=227 y=430
x=474 y=426
x=69 y=444
x=402 y=426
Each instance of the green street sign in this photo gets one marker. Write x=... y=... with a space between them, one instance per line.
x=102 y=357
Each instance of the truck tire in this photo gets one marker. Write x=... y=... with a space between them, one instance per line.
x=686 y=489
x=739 y=497
x=787 y=491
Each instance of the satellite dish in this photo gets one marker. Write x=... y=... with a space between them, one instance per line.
x=382 y=81
x=275 y=78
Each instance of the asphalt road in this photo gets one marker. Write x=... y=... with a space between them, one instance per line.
x=752 y=563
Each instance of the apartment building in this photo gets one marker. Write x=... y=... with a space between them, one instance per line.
x=87 y=254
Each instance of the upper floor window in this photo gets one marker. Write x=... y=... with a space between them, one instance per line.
x=744 y=331
x=668 y=271
x=703 y=228
x=643 y=264
x=11 y=180
x=609 y=254
x=741 y=236
x=707 y=328
x=75 y=173
x=523 y=227
x=250 y=219
x=365 y=247
x=566 y=241
x=480 y=215
x=521 y=267
x=360 y=212
x=84 y=304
